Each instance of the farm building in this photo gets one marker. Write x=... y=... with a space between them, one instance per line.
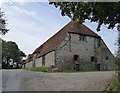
x=73 y=47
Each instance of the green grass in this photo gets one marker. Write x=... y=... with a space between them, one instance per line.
x=69 y=71
x=113 y=85
x=40 y=69
x=46 y=69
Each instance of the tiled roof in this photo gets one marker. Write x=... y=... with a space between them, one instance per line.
x=30 y=57
x=56 y=39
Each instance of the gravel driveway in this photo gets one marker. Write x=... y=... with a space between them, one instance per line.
x=21 y=80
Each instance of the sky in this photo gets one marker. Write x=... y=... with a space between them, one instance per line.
x=30 y=24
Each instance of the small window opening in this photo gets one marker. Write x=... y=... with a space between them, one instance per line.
x=92 y=58
x=83 y=38
x=107 y=58
x=75 y=57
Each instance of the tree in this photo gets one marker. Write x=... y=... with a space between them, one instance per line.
x=3 y=23
x=107 y=13
x=10 y=51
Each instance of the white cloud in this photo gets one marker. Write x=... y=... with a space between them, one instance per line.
x=26 y=42
x=28 y=35
x=29 y=13
x=1 y=3
x=23 y=11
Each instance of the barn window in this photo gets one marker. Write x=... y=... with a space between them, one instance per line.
x=75 y=57
x=82 y=38
x=107 y=58
x=92 y=58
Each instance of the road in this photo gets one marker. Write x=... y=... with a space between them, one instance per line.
x=22 y=80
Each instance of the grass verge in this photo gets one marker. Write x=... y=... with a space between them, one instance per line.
x=40 y=69
x=69 y=71
x=113 y=85
x=46 y=69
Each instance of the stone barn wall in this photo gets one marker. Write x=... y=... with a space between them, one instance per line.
x=72 y=45
x=91 y=51
x=107 y=62
x=29 y=64
x=38 y=62
x=50 y=59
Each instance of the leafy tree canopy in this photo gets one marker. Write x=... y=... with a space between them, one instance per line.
x=107 y=13
x=10 y=50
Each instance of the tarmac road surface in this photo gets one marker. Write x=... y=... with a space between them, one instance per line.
x=22 y=80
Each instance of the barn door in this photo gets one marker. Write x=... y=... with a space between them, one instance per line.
x=76 y=61
x=98 y=67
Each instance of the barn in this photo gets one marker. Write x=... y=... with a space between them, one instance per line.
x=73 y=47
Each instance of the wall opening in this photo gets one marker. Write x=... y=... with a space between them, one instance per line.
x=107 y=58
x=75 y=57
x=92 y=58
x=43 y=60
x=82 y=38
x=98 y=67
